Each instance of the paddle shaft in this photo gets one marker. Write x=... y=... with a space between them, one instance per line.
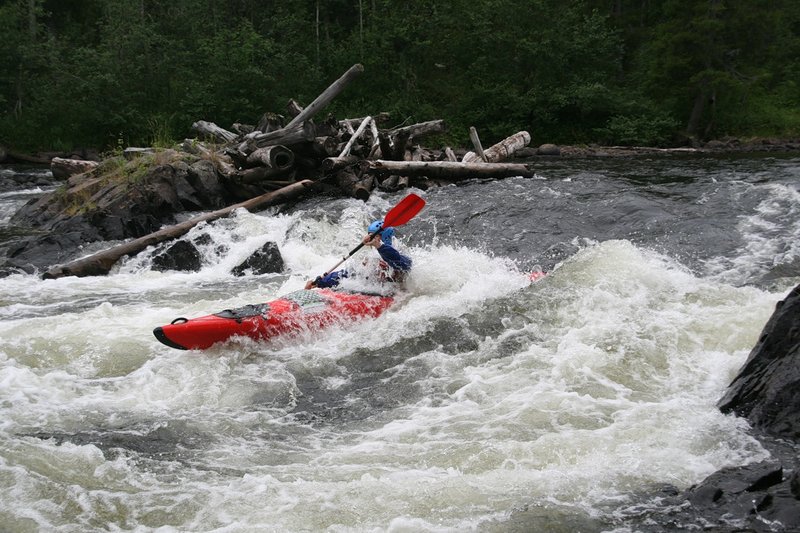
x=348 y=256
x=399 y=215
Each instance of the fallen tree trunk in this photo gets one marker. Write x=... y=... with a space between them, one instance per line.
x=422 y=128
x=502 y=150
x=211 y=130
x=363 y=126
x=446 y=169
x=257 y=174
x=278 y=158
x=353 y=185
x=326 y=96
x=304 y=132
x=332 y=164
x=101 y=263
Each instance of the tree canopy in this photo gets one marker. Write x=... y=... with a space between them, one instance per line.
x=99 y=73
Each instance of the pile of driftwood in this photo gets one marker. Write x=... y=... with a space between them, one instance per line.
x=358 y=154
x=281 y=160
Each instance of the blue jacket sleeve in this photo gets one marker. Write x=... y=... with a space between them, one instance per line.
x=394 y=259
x=331 y=280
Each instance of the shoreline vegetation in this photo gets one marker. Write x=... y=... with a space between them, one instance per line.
x=117 y=73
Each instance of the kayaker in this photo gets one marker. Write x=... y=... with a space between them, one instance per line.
x=394 y=265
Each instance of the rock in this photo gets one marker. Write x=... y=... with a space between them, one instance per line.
x=716 y=145
x=265 y=260
x=526 y=152
x=64 y=168
x=181 y=255
x=204 y=178
x=549 y=149
x=767 y=389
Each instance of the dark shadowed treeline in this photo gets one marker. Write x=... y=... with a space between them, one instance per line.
x=103 y=73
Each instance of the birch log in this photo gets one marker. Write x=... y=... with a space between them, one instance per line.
x=446 y=169
x=102 y=262
x=502 y=150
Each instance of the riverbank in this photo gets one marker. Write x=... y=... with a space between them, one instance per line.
x=714 y=146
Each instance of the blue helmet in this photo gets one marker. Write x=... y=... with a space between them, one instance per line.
x=386 y=235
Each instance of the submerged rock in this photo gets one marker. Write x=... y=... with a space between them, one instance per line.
x=265 y=260
x=180 y=255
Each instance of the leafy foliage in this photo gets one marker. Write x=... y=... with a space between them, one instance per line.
x=94 y=72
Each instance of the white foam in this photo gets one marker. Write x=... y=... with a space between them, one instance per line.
x=602 y=380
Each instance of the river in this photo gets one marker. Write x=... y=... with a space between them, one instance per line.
x=479 y=402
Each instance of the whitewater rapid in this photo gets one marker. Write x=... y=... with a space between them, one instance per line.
x=479 y=402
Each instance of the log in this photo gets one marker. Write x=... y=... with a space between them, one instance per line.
x=293 y=108
x=376 y=142
x=257 y=174
x=326 y=96
x=331 y=164
x=502 y=150
x=287 y=136
x=476 y=143
x=364 y=125
x=420 y=129
x=277 y=157
x=212 y=131
x=327 y=128
x=242 y=129
x=102 y=262
x=320 y=147
x=352 y=185
x=446 y=169
x=270 y=122
x=389 y=183
x=450 y=155
x=380 y=118
x=64 y=168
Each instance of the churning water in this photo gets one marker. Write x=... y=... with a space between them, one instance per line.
x=479 y=402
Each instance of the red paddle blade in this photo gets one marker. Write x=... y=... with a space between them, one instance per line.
x=404 y=211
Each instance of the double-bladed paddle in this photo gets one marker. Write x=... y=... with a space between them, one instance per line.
x=404 y=211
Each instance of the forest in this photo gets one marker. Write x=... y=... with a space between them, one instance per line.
x=111 y=73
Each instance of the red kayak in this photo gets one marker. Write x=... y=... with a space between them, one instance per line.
x=303 y=310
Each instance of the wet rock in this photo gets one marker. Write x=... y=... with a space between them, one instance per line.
x=206 y=181
x=767 y=389
x=549 y=149
x=265 y=260
x=116 y=201
x=181 y=255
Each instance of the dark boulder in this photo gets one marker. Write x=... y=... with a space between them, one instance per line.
x=759 y=495
x=549 y=149
x=116 y=201
x=265 y=260
x=767 y=389
x=180 y=255
x=763 y=496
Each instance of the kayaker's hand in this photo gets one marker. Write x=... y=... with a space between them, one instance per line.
x=310 y=284
x=375 y=242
